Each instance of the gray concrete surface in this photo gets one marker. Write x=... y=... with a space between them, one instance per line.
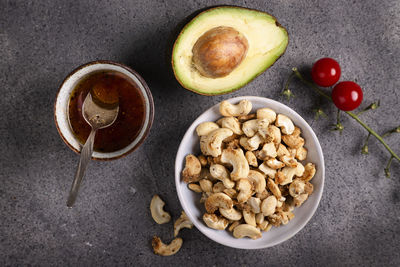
x=358 y=220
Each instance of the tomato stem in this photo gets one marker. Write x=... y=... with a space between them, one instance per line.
x=351 y=114
x=364 y=149
x=387 y=169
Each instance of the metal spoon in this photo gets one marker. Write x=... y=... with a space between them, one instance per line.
x=98 y=117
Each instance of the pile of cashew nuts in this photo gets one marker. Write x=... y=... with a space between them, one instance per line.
x=250 y=173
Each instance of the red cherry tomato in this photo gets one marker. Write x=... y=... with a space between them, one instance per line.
x=347 y=95
x=325 y=72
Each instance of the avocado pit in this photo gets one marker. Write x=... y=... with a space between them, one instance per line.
x=219 y=51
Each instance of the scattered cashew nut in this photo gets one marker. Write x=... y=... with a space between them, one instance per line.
x=157 y=212
x=166 y=250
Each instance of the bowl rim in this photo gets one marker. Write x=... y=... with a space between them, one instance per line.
x=146 y=90
x=178 y=166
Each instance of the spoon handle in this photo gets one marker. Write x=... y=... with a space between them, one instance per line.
x=86 y=155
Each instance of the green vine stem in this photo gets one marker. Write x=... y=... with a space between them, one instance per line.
x=351 y=114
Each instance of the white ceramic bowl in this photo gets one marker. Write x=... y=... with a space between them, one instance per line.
x=190 y=200
x=62 y=101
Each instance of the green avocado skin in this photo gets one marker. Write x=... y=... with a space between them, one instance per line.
x=276 y=53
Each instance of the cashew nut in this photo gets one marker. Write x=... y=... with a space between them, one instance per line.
x=210 y=144
x=213 y=160
x=218 y=200
x=250 y=128
x=218 y=187
x=309 y=172
x=275 y=164
x=296 y=188
x=275 y=219
x=205 y=128
x=231 y=214
x=293 y=140
x=263 y=195
x=286 y=124
x=267 y=170
x=246 y=230
x=204 y=196
x=245 y=190
x=301 y=153
x=205 y=174
x=268 y=205
x=166 y=250
x=182 y=222
x=265 y=226
x=255 y=141
x=243 y=142
x=206 y=185
x=262 y=126
x=259 y=218
x=257 y=180
x=203 y=160
x=231 y=123
x=242 y=108
x=282 y=151
x=236 y=158
x=230 y=192
x=292 y=152
x=288 y=161
x=285 y=176
x=251 y=159
x=156 y=207
x=219 y=172
x=273 y=187
x=275 y=133
x=249 y=217
x=233 y=225
x=299 y=200
x=268 y=150
x=247 y=117
x=195 y=188
x=192 y=169
x=309 y=188
x=266 y=113
x=215 y=222
x=234 y=144
x=254 y=203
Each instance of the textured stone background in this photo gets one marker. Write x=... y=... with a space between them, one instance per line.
x=358 y=220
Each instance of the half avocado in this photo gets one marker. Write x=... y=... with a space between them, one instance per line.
x=224 y=48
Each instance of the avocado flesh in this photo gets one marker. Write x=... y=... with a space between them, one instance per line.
x=267 y=42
